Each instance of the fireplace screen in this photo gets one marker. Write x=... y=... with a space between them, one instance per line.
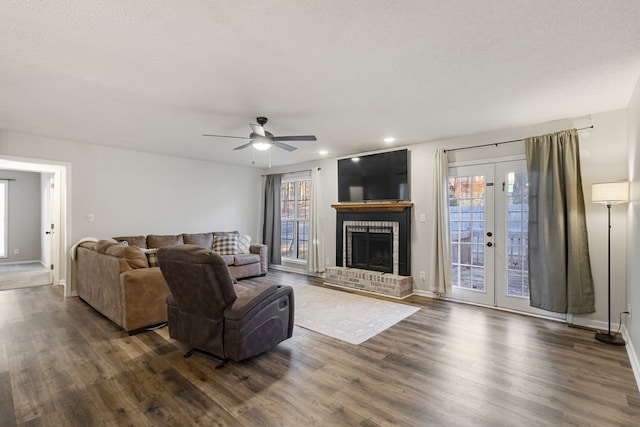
x=370 y=248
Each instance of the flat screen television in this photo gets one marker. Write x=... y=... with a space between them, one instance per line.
x=374 y=177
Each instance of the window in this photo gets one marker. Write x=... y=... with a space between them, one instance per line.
x=294 y=214
x=4 y=193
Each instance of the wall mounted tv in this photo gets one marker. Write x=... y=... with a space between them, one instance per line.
x=375 y=177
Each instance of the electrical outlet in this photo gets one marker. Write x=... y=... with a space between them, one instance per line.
x=16 y=251
x=423 y=275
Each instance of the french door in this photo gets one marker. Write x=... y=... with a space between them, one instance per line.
x=471 y=200
x=489 y=212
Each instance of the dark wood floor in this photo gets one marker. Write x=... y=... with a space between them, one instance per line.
x=63 y=364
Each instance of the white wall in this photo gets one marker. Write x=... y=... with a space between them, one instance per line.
x=633 y=230
x=131 y=192
x=24 y=216
x=603 y=158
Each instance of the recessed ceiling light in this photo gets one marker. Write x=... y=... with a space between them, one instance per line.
x=323 y=152
x=389 y=140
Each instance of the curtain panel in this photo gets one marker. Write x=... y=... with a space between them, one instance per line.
x=560 y=277
x=440 y=262
x=315 y=264
x=271 y=226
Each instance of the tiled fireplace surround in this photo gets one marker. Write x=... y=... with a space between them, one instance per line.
x=397 y=216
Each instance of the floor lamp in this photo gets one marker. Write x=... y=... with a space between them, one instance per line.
x=610 y=193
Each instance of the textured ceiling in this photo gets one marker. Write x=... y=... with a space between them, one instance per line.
x=155 y=75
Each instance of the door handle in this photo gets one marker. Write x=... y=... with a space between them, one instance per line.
x=489 y=234
x=489 y=244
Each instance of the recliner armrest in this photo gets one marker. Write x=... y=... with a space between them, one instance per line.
x=260 y=318
x=249 y=297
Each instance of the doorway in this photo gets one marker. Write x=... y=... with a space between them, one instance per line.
x=489 y=212
x=53 y=214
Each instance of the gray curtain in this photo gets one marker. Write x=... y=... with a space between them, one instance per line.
x=559 y=269
x=271 y=226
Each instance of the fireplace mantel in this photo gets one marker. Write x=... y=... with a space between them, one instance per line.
x=372 y=206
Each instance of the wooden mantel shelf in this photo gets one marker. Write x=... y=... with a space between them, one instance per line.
x=372 y=206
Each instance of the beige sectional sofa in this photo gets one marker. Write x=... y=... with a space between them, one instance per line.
x=122 y=281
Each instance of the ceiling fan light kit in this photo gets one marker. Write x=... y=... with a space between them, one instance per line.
x=262 y=140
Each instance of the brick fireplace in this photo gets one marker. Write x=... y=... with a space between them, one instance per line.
x=373 y=248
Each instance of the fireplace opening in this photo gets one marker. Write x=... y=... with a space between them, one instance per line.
x=371 y=248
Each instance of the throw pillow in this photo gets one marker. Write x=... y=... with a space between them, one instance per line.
x=225 y=245
x=152 y=257
x=244 y=242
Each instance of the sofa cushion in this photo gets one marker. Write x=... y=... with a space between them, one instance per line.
x=225 y=245
x=101 y=246
x=158 y=241
x=204 y=240
x=139 y=241
x=134 y=257
x=244 y=259
x=244 y=243
x=229 y=259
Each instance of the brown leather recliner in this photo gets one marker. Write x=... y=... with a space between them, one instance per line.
x=210 y=312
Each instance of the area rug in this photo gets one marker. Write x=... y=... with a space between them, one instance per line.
x=345 y=316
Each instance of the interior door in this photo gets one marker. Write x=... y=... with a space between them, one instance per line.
x=471 y=219
x=48 y=223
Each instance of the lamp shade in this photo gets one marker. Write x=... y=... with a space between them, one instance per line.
x=610 y=193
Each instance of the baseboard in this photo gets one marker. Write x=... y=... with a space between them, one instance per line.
x=427 y=294
x=294 y=270
x=599 y=325
x=35 y=261
x=66 y=292
x=633 y=355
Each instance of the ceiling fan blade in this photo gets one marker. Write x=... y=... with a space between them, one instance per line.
x=295 y=138
x=257 y=129
x=240 y=147
x=284 y=146
x=225 y=136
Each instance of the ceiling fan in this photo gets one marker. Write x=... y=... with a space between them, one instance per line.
x=262 y=140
